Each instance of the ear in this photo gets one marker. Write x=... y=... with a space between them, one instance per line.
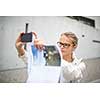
x=74 y=47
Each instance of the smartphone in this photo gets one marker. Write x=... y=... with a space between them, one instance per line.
x=27 y=37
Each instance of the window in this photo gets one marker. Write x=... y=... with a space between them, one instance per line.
x=96 y=41
x=84 y=20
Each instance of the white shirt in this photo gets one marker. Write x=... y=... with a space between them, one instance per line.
x=70 y=71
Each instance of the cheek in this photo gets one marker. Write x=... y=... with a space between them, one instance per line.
x=69 y=50
x=66 y=51
x=73 y=49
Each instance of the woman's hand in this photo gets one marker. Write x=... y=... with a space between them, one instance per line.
x=19 y=45
x=39 y=44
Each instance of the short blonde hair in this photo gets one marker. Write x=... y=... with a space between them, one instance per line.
x=72 y=36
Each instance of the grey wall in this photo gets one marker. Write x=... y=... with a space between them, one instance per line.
x=48 y=28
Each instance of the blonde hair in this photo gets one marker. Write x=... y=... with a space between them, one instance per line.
x=72 y=36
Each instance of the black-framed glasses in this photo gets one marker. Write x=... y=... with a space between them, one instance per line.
x=65 y=45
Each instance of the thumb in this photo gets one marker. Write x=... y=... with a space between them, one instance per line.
x=35 y=34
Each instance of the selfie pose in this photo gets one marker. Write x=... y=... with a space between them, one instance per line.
x=72 y=69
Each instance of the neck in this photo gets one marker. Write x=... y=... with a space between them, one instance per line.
x=68 y=58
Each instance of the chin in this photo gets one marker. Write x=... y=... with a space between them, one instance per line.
x=63 y=53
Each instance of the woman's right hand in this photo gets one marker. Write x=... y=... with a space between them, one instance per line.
x=38 y=43
x=19 y=45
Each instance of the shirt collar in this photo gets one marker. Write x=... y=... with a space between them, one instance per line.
x=75 y=61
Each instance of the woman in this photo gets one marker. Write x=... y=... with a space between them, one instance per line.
x=72 y=68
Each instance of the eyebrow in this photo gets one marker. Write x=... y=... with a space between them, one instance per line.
x=65 y=43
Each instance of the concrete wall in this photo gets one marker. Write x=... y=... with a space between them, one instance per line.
x=48 y=28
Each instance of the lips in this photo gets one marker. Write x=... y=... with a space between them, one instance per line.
x=62 y=50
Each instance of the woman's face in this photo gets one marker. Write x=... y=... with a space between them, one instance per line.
x=66 y=45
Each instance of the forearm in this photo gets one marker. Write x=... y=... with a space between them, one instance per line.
x=20 y=51
x=24 y=57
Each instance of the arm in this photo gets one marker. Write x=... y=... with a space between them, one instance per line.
x=21 y=51
x=79 y=72
x=19 y=46
x=73 y=73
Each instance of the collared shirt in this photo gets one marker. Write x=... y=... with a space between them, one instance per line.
x=72 y=71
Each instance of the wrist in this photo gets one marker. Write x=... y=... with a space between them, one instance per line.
x=20 y=51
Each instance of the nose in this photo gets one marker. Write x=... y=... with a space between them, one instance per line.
x=61 y=46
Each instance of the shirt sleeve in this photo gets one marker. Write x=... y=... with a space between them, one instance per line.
x=24 y=58
x=84 y=71
x=74 y=73
x=82 y=66
x=79 y=72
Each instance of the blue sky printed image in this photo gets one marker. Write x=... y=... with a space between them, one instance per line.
x=50 y=56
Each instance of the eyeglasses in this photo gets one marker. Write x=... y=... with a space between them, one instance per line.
x=65 y=45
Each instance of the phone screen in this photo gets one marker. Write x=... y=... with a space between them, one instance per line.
x=26 y=37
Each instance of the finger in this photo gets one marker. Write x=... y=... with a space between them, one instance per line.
x=20 y=44
x=41 y=47
x=35 y=34
x=19 y=37
x=36 y=41
x=38 y=46
x=24 y=43
x=21 y=34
